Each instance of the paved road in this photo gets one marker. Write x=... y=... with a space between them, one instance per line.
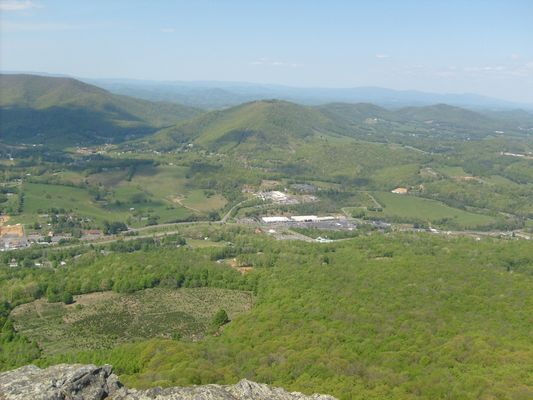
x=223 y=220
x=115 y=238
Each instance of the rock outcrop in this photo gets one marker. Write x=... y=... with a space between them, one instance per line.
x=89 y=382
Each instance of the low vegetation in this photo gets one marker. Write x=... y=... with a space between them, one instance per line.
x=103 y=320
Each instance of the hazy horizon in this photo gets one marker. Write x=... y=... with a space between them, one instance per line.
x=478 y=47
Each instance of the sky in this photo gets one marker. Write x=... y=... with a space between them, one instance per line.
x=454 y=46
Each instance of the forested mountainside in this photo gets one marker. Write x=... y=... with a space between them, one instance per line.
x=64 y=111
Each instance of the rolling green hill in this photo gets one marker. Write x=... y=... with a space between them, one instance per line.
x=270 y=123
x=64 y=111
x=443 y=113
x=439 y=121
x=354 y=113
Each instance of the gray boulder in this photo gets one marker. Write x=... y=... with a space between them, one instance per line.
x=89 y=382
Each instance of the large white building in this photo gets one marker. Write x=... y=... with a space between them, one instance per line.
x=304 y=218
x=270 y=220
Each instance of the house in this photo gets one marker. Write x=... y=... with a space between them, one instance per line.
x=63 y=236
x=277 y=197
x=400 y=190
x=91 y=234
x=35 y=238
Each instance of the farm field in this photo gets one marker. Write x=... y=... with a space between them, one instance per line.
x=39 y=196
x=452 y=172
x=159 y=194
x=411 y=207
x=161 y=181
x=129 y=203
x=197 y=199
x=396 y=176
x=105 y=319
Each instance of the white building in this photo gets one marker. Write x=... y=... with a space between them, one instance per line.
x=304 y=218
x=270 y=220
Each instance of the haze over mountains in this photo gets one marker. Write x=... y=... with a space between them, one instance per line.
x=214 y=94
x=65 y=111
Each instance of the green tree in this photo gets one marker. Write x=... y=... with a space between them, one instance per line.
x=220 y=318
x=67 y=298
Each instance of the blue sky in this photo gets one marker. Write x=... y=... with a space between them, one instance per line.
x=483 y=47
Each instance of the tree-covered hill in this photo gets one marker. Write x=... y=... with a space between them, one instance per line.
x=446 y=114
x=354 y=113
x=64 y=111
x=268 y=123
x=439 y=121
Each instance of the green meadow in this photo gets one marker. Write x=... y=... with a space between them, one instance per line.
x=408 y=207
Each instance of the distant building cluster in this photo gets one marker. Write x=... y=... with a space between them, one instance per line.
x=296 y=218
x=278 y=197
x=12 y=237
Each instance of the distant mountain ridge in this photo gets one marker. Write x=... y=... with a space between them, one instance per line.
x=213 y=94
x=39 y=109
x=267 y=124
x=64 y=112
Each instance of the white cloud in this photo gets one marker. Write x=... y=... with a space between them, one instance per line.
x=167 y=30
x=17 y=5
x=382 y=56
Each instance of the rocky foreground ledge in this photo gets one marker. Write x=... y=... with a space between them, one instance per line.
x=89 y=382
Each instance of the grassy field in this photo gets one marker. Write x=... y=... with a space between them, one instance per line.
x=40 y=197
x=197 y=199
x=150 y=194
x=411 y=207
x=396 y=176
x=452 y=172
x=163 y=187
x=162 y=181
x=133 y=203
x=105 y=319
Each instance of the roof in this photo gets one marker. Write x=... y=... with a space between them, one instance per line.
x=303 y=218
x=275 y=219
x=400 y=190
